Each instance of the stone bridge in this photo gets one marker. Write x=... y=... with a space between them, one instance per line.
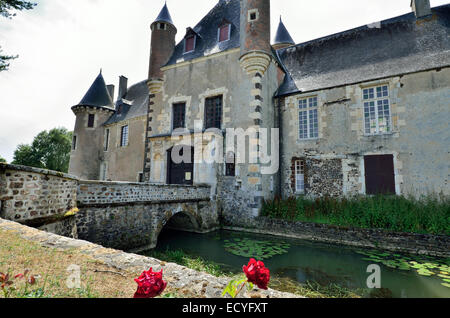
x=130 y=216
x=120 y=215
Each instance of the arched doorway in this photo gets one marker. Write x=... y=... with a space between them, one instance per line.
x=180 y=168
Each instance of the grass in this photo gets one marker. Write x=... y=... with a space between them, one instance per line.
x=313 y=289
x=427 y=215
x=49 y=266
x=196 y=263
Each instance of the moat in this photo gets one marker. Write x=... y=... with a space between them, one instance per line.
x=301 y=262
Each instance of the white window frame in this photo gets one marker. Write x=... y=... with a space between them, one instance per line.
x=300 y=176
x=250 y=12
x=229 y=33
x=376 y=97
x=306 y=109
x=122 y=144
x=195 y=44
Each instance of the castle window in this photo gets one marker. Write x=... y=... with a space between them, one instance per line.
x=253 y=15
x=308 y=118
x=161 y=26
x=91 y=120
x=189 y=43
x=74 y=142
x=124 y=136
x=377 y=110
x=213 y=112
x=224 y=32
x=300 y=176
x=179 y=115
x=106 y=140
x=230 y=165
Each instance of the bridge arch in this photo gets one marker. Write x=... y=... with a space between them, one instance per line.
x=183 y=217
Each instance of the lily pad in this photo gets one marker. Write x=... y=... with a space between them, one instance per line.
x=254 y=248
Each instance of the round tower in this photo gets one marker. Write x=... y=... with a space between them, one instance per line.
x=255 y=36
x=91 y=113
x=162 y=46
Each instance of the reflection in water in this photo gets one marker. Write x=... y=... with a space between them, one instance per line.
x=304 y=262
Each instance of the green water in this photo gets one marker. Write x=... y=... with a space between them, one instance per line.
x=303 y=262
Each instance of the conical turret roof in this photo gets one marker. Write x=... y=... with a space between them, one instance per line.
x=282 y=36
x=97 y=95
x=164 y=15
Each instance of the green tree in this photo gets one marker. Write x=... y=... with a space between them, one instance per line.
x=49 y=150
x=6 y=8
x=2 y=160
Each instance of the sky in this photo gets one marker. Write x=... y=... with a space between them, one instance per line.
x=63 y=44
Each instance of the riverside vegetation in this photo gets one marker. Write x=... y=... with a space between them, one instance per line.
x=427 y=215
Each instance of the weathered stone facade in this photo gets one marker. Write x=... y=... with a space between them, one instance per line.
x=314 y=94
x=335 y=160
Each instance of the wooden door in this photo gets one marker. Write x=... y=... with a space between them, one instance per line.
x=180 y=173
x=380 y=175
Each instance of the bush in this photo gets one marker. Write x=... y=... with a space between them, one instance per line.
x=429 y=214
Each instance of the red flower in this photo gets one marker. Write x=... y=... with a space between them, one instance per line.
x=257 y=273
x=150 y=284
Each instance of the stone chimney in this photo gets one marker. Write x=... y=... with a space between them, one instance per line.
x=111 y=89
x=123 y=87
x=421 y=8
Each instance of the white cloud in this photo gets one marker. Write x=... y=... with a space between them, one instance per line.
x=63 y=44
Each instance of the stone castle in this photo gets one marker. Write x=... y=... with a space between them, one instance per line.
x=364 y=111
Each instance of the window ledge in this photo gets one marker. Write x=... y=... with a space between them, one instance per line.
x=380 y=134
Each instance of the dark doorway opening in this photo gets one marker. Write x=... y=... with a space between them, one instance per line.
x=379 y=174
x=180 y=172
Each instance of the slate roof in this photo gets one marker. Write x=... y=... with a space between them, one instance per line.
x=133 y=104
x=97 y=95
x=282 y=36
x=207 y=42
x=164 y=16
x=393 y=47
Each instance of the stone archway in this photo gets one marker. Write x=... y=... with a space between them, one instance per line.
x=184 y=217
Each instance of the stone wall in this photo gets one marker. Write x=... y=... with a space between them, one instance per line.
x=35 y=196
x=122 y=215
x=432 y=245
x=179 y=277
x=131 y=216
x=96 y=192
x=418 y=138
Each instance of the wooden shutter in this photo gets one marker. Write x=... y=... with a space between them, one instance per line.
x=224 y=33
x=189 y=44
x=379 y=174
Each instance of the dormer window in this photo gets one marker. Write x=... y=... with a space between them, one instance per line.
x=189 y=44
x=224 y=32
x=190 y=40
